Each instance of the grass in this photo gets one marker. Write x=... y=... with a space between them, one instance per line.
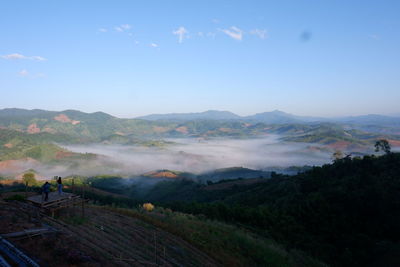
x=228 y=244
x=17 y=197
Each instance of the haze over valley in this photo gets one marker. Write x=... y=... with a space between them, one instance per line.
x=77 y=143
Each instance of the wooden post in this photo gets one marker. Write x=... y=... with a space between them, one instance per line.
x=73 y=187
x=155 y=247
x=38 y=217
x=83 y=202
x=83 y=209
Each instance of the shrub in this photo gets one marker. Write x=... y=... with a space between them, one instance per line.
x=148 y=206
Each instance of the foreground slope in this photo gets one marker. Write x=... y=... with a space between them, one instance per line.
x=105 y=237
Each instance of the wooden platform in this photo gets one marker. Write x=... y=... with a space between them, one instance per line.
x=53 y=196
x=56 y=201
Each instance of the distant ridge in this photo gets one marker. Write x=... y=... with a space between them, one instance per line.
x=270 y=117
x=18 y=112
x=274 y=117
x=372 y=119
x=280 y=117
x=206 y=115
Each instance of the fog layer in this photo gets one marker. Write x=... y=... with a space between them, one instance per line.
x=199 y=155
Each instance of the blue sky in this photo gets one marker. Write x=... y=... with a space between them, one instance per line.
x=131 y=58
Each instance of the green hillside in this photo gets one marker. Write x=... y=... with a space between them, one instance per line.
x=19 y=145
x=345 y=214
x=71 y=126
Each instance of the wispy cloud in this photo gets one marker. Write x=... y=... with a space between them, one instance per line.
x=233 y=32
x=126 y=26
x=19 y=56
x=260 y=33
x=27 y=74
x=154 y=45
x=102 y=30
x=181 y=33
x=14 y=56
x=122 y=27
x=23 y=73
x=216 y=21
x=38 y=58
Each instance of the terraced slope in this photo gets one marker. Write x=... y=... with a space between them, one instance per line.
x=128 y=241
x=103 y=238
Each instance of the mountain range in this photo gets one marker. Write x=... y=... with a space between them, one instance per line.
x=273 y=117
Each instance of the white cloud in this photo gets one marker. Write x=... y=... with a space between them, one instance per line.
x=153 y=45
x=126 y=26
x=19 y=56
x=102 y=30
x=122 y=27
x=38 y=58
x=233 y=32
x=23 y=73
x=14 y=56
x=260 y=33
x=181 y=33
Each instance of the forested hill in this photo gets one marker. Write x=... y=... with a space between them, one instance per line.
x=345 y=214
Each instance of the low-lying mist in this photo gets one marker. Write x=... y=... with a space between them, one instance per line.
x=200 y=155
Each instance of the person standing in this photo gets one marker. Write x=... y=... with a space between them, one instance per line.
x=59 y=185
x=46 y=190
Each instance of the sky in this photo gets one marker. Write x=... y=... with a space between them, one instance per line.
x=132 y=58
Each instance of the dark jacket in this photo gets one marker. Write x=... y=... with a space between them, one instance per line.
x=46 y=187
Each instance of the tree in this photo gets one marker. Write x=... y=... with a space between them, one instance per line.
x=337 y=155
x=29 y=178
x=382 y=145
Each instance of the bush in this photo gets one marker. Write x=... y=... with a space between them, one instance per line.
x=148 y=207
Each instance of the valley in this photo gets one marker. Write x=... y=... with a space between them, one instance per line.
x=73 y=142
